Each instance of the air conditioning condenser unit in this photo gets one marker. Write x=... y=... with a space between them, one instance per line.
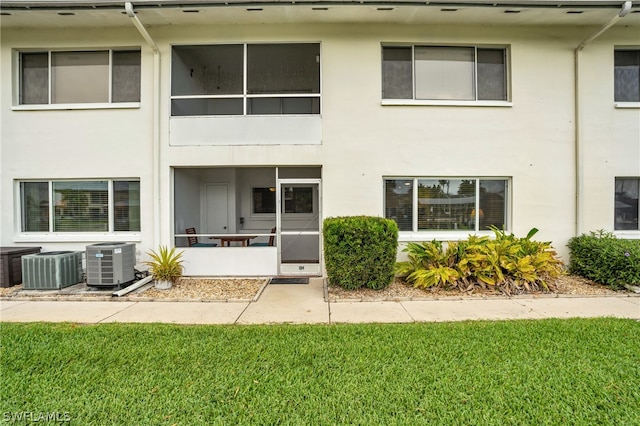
x=110 y=264
x=51 y=270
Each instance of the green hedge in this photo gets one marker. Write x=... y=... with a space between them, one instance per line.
x=360 y=251
x=603 y=258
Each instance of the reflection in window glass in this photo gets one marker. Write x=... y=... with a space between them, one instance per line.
x=35 y=206
x=80 y=206
x=626 y=204
x=447 y=204
x=398 y=202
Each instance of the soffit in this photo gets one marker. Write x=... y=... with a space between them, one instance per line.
x=78 y=14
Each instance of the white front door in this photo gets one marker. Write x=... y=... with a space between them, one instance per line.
x=215 y=213
x=298 y=223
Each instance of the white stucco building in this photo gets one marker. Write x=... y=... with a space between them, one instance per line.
x=136 y=121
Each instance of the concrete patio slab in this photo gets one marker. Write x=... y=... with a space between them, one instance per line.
x=369 y=312
x=63 y=311
x=180 y=313
x=460 y=310
x=586 y=307
x=289 y=303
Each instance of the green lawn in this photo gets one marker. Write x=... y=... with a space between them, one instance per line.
x=545 y=372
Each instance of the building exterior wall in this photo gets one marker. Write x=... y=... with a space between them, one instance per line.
x=611 y=134
x=529 y=140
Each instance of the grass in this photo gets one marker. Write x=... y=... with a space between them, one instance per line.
x=545 y=372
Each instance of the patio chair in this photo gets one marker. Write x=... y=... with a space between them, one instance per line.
x=271 y=240
x=193 y=241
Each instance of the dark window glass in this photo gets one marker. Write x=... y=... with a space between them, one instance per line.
x=207 y=70
x=492 y=75
x=126 y=205
x=626 y=204
x=264 y=200
x=125 y=80
x=283 y=68
x=397 y=73
x=35 y=206
x=297 y=199
x=34 y=79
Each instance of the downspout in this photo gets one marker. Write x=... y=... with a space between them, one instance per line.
x=128 y=7
x=626 y=7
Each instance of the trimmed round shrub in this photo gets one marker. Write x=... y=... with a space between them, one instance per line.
x=360 y=251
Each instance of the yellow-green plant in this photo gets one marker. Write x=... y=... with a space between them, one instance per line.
x=165 y=264
x=505 y=262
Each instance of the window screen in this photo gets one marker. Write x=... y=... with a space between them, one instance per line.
x=627 y=75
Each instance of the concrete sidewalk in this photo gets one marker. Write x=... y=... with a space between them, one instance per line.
x=305 y=304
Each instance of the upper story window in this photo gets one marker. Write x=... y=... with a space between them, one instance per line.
x=245 y=79
x=627 y=204
x=445 y=204
x=443 y=73
x=79 y=77
x=627 y=75
x=80 y=206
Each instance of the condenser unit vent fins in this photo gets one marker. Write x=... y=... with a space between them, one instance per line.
x=110 y=264
x=51 y=270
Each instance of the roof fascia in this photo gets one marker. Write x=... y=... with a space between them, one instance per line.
x=144 y=4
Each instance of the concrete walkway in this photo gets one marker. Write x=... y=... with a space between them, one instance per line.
x=305 y=304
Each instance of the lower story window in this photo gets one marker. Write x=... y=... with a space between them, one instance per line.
x=450 y=204
x=80 y=206
x=627 y=204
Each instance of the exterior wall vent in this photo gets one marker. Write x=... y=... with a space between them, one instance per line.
x=51 y=270
x=110 y=264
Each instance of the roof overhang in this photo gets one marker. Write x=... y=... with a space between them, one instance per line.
x=110 y=13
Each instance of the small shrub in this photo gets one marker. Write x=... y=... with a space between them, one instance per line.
x=603 y=258
x=360 y=251
x=510 y=264
x=165 y=264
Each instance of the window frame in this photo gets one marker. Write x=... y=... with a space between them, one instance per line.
x=245 y=96
x=507 y=102
x=17 y=104
x=417 y=234
x=617 y=103
x=110 y=233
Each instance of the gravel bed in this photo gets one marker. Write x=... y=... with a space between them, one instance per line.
x=249 y=289
x=186 y=289
x=207 y=289
x=567 y=285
